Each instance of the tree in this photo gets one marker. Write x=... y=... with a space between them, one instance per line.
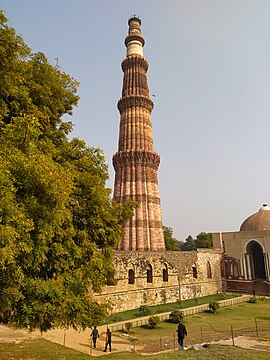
x=189 y=244
x=171 y=244
x=204 y=240
x=58 y=223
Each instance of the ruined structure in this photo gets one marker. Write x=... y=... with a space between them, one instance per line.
x=135 y=162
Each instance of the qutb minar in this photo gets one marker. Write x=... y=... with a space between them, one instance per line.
x=145 y=273
x=136 y=163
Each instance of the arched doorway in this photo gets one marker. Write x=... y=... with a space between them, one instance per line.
x=255 y=250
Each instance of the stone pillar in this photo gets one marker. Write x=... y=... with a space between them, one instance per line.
x=136 y=163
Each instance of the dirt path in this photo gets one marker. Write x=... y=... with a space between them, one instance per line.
x=73 y=339
x=80 y=340
x=247 y=343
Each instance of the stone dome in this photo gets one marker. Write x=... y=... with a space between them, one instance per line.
x=258 y=221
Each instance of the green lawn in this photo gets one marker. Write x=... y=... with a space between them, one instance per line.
x=135 y=313
x=206 y=326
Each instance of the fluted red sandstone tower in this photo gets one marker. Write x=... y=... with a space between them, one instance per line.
x=136 y=163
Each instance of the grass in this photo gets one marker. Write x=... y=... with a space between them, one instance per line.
x=135 y=313
x=45 y=350
x=38 y=349
x=205 y=327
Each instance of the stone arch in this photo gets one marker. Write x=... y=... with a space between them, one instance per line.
x=247 y=245
x=165 y=273
x=149 y=273
x=208 y=270
x=256 y=253
x=194 y=271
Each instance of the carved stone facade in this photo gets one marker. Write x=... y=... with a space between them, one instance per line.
x=152 y=278
x=136 y=162
x=246 y=254
x=246 y=260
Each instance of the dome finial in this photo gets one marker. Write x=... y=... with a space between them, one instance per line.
x=264 y=207
x=258 y=221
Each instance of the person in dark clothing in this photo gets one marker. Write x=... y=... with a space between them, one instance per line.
x=182 y=332
x=108 y=340
x=94 y=335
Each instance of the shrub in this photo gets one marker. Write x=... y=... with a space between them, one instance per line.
x=176 y=316
x=128 y=326
x=221 y=295
x=153 y=321
x=180 y=303
x=144 y=309
x=252 y=300
x=213 y=306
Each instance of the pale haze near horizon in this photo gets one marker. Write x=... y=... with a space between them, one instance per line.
x=210 y=74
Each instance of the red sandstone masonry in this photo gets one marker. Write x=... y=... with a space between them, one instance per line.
x=136 y=163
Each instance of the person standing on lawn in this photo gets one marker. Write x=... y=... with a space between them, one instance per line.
x=182 y=332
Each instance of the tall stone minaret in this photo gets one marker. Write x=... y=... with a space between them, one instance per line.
x=136 y=163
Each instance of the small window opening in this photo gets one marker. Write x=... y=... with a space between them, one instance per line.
x=208 y=270
x=194 y=272
x=165 y=273
x=149 y=274
x=131 y=276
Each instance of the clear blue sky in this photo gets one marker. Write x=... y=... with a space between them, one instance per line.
x=210 y=71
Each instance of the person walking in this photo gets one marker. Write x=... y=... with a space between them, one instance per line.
x=108 y=340
x=94 y=335
x=182 y=332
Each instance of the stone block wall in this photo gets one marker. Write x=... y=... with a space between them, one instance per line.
x=162 y=277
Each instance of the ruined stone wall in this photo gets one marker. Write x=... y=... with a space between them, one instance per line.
x=175 y=275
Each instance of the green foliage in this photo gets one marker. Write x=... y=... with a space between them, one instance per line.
x=171 y=244
x=153 y=321
x=252 y=300
x=58 y=224
x=176 y=316
x=128 y=326
x=189 y=244
x=221 y=295
x=204 y=240
x=157 y=309
x=144 y=310
x=213 y=306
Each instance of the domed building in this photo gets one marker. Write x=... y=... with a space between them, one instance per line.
x=258 y=221
x=246 y=254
